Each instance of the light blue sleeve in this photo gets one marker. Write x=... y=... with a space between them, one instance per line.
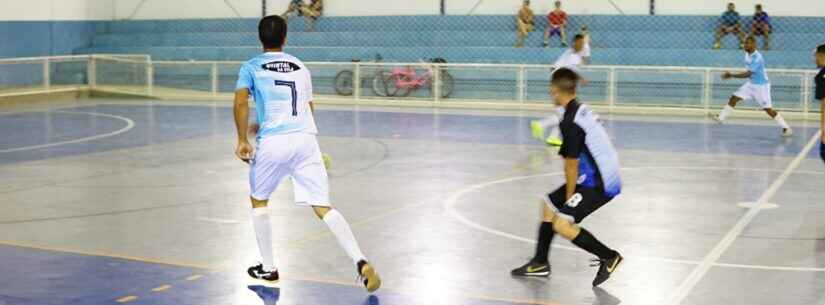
x=245 y=79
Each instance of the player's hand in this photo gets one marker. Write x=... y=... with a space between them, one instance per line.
x=244 y=151
x=726 y=75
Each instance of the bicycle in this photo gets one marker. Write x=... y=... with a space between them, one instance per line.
x=344 y=79
x=403 y=81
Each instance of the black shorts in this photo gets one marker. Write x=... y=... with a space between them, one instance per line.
x=591 y=200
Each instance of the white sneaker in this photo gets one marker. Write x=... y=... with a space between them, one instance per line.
x=715 y=117
x=787 y=132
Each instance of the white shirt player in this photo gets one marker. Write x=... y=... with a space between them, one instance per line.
x=282 y=89
x=569 y=59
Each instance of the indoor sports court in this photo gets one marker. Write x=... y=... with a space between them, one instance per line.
x=119 y=182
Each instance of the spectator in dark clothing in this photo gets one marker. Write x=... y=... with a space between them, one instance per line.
x=761 y=26
x=729 y=23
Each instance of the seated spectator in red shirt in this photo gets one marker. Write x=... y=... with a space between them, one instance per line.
x=556 y=21
x=761 y=26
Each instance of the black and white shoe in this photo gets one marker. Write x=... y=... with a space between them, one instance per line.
x=606 y=268
x=266 y=278
x=787 y=132
x=532 y=269
x=368 y=276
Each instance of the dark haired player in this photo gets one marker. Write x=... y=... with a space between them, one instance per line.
x=572 y=58
x=820 y=94
x=591 y=168
x=758 y=87
x=286 y=147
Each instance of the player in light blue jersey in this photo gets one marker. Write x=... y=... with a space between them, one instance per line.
x=591 y=167
x=758 y=87
x=286 y=147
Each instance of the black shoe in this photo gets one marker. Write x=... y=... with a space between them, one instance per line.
x=606 y=268
x=267 y=278
x=532 y=269
x=368 y=276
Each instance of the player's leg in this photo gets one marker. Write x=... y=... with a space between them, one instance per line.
x=267 y=170
x=744 y=92
x=565 y=218
x=762 y=95
x=563 y=35
x=539 y=265
x=311 y=186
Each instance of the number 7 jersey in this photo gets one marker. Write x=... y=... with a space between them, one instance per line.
x=282 y=88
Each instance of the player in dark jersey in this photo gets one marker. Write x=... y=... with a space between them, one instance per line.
x=591 y=167
x=820 y=94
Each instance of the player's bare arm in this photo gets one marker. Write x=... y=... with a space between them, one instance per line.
x=244 y=150
x=729 y=75
x=571 y=174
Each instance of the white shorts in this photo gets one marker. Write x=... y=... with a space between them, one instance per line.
x=760 y=93
x=294 y=155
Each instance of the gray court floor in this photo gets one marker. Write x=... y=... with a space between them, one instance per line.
x=444 y=203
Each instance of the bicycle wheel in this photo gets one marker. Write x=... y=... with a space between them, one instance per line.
x=343 y=83
x=384 y=84
x=447 y=84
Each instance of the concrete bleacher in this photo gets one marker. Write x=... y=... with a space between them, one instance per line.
x=617 y=40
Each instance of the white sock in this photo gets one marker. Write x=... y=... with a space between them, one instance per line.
x=550 y=121
x=779 y=120
x=555 y=133
x=725 y=112
x=340 y=228
x=263 y=233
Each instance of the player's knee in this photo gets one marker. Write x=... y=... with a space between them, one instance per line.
x=256 y=203
x=565 y=227
x=547 y=213
x=321 y=211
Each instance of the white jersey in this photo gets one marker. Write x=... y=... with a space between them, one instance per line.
x=282 y=88
x=569 y=59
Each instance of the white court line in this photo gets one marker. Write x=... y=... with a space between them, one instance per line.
x=699 y=272
x=129 y=125
x=451 y=202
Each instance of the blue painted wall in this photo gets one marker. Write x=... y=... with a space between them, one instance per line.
x=43 y=38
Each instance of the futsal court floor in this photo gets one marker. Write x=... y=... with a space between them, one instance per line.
x=108 y=201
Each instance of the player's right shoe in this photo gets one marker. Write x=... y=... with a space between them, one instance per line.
x=266 y=278
x=715 y=117
x=787 y=132
x=532 y=269
x=537 y=130
x=368 y=276
x=553 y=141
x=606 y=268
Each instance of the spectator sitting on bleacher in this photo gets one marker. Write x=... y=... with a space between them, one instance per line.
x=556 y=21
x=524 y=23
x=761 y=26
x=729 y=24
x=311 y=12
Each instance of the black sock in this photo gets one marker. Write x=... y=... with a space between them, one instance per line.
x=589 y=243
x=546 y=234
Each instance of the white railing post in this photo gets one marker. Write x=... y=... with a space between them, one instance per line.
x=806 y=94
x=47 y=82
x=521 y=84
x=707 y=85
x=356 y=81
x=214 y=74
x=436 y=82
x=611 y=88
x=91 y=72
x=150 y=78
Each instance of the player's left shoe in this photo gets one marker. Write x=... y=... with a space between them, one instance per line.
x=787 y=132
x=537 y=129
x=369 y=276
x=715 y=117
x=606 y=268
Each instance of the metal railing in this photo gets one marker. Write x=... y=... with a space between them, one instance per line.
x=524 y=86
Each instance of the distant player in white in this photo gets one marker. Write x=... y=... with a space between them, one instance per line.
x=572 y=58
x=758 y=87
x=287 y=147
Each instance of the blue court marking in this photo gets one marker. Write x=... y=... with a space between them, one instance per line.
x=169 y=123
x=41 y=277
